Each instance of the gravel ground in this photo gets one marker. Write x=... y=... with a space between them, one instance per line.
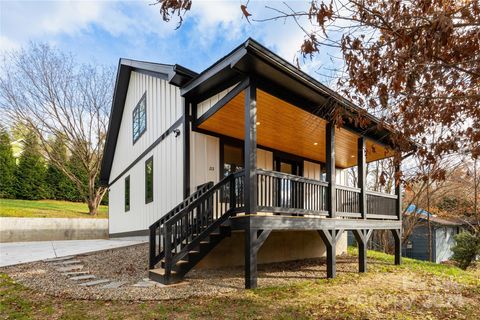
x=130 y=264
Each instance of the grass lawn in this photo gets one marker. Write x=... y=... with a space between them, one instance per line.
x=47 y=209
x=415 y=290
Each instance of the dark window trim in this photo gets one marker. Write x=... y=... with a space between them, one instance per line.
x=147 y=151
x=147 y=198
x=127 y=206
x=143 y=98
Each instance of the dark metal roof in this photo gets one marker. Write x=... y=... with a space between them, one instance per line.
x=251 y=58
x=174 y=74
x=248 y=58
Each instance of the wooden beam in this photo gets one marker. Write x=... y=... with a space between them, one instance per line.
x=330 y=165
x=362 y=237
x=362 y=179
x=397 y=235
x=287 y=222
x=254 y=239
x=222 y=102
x=250 y=160
x=330 y=239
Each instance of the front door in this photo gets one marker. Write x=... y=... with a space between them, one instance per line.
x=290 y=193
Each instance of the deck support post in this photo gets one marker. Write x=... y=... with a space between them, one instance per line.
x=250 y=161
x=362 y=237
x=397 y=236
x=186 y=148
x=330 y=166
x=330 y=239
x=361 y=168
x=254 y=240
x=398 y=192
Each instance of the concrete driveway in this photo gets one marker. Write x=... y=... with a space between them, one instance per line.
x=13 y=253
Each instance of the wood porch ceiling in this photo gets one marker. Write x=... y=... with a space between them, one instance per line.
x=287 y=128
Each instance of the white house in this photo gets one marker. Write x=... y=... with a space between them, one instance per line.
x=210 y=164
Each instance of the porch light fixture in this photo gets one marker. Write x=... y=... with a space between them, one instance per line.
x=353 y=156
x=258 y=123
x=315 y=143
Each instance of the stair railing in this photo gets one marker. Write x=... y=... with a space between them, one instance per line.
x=157 y=253
x=187 y=228
x=192 y=219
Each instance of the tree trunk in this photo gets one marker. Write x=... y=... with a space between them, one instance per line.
x=92 y=206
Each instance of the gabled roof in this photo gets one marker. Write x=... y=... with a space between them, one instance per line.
x=273 y=71
x=250 y=57
x=174 y=74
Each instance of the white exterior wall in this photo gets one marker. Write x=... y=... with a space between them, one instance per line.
x=204 y=159
x=164 y=108
x=312 y=170
x=206 y=104
x=264 y=159
x=444 y=242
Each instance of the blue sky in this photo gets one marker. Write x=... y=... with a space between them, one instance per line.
x=107 y=30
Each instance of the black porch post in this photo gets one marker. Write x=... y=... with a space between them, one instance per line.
x=397 y=234
x=330 y=239
x=250 y=187
x=330 y=164
x=398 y=192
x=361 y=163
x=362 y=237
x=186 y=149
x=250 y=259
x=332 y=259
x=250 y=148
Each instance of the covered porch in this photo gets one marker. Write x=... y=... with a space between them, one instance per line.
x=257 y=102
x=304 y=175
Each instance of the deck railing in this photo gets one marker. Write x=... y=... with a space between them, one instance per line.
x=282 y=193
x=381 y=205
x=348 y=201
x=289 y=194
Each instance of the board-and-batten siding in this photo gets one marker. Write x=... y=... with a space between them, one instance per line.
x=204 y=159
x=206 y=104
x=164 y=107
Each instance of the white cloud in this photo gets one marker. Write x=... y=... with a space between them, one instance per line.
x=7 y=44
x=40 y=20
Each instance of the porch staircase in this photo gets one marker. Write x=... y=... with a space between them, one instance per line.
x=186 y=234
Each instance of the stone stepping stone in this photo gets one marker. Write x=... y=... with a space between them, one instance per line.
x=84 y=277
x=94 y=283
x=144 y=284
x=65 y=263
x=114 y=285
x=75 y=273
x=70 y=268
x=58 y=259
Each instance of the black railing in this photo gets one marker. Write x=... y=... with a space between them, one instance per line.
x=348 y=201
x=157 y=246
x=289 y=194
x=381 y=205
x=195 y=221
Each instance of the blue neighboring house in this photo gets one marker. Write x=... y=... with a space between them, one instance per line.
x=443 y=231
x=416 y=246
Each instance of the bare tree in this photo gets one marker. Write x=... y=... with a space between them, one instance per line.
x=51 y=93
